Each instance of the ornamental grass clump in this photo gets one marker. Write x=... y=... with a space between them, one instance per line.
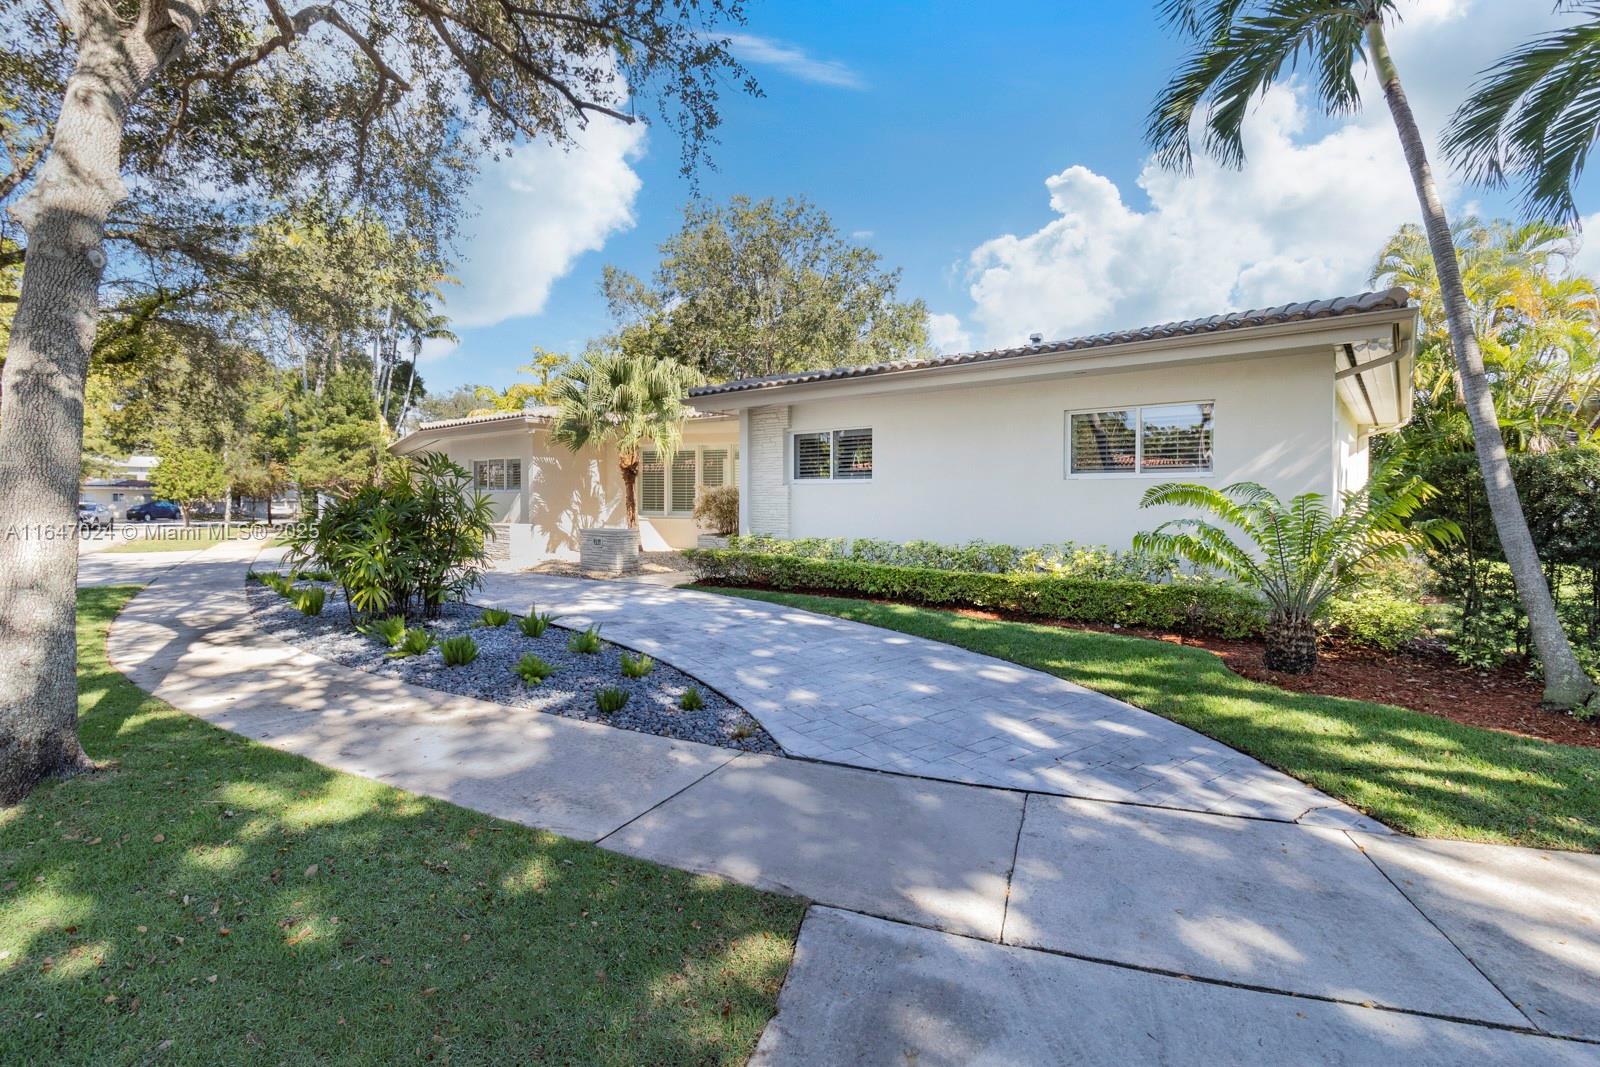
x=610 y=700
x=532 y=670
x=414 y=642
x=637 y=666
x=587 y=642
x=390 y=630
x=493 y=617
x=534 y=624
x=458 y=651
x=691 y=699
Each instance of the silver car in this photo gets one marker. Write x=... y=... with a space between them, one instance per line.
x=94 y=516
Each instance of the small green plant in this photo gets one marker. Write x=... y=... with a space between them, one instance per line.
x=458 y=651
x=310 y=601
x=637 y=666
x=533 y=670
x=493 y=617
x=691 y=699
x=610 y=700
x=587 y=642
x=253 y=575
x=742 y=731
x=390 y=630
x=534 y=624
x=415 y=642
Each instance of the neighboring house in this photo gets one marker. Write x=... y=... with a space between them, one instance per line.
x=126 y=484
x=543 y=493
x=1058 y=441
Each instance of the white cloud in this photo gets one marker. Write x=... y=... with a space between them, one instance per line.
x=793 y=60
x=539 y=208
x=1303 y=219
x=1587 y=261
x=946 y=334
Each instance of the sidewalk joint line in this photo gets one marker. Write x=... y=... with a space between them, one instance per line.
x=667 y=799
x=1011 y=872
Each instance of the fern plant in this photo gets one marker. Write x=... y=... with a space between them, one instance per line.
x=391 y=629
x=586 y=642
x=458 y=651
x=610 y=700
x=691 y=699
x=414 y=642
x=493 y=617
x=532 y=670
x=637 y=666
x=310 y=600
x=535 y=624
x=1296 y=555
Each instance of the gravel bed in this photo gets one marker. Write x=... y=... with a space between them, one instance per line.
x=652 y=706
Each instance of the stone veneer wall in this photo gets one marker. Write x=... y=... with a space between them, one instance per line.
x=767 y=488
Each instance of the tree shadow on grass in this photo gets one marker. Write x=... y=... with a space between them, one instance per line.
x=214 y=900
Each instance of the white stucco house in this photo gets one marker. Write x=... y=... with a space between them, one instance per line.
x=1058 y=441
x=1044 y=443
x=544 y=494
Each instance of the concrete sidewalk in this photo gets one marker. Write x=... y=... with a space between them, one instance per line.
x=959 y=906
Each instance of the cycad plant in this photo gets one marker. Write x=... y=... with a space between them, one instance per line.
x=1298 y=554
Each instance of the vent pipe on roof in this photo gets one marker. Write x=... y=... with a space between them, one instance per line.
x=1036 y=339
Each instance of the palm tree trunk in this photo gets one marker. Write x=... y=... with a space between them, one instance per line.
x=1291 y=645
x=629 y=466
x=1565 y=683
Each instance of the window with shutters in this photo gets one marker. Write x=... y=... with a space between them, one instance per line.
x=832 y=455
x=684 y=467
x=652 y=484
x=713 y=467
x=499 y=475
x=674 y=488
x=1156 y=439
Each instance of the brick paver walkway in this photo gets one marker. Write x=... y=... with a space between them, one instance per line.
x=843 y=692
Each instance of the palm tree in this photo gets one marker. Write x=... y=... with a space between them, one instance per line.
x=625 y=399
x=1535 y=114
x=1296 y=555
x=1241 y=47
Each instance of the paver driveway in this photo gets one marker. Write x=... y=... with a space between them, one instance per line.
x=839 y=691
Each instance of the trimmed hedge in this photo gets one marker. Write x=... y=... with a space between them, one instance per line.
x=1191 y=607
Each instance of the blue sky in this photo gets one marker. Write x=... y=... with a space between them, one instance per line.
x=994 y=153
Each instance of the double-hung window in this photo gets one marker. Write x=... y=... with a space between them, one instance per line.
x=1151 y=439
x=672 y=488
x=497 y=474
x=832 y=455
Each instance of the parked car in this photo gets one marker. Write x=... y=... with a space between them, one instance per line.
x=94 y=516
x=155 y=511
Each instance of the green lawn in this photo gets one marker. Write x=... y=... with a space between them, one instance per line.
x=170 y=538
x=1418 y=773
x=209 y=900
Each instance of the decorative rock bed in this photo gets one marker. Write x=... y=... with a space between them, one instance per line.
x=652 y=705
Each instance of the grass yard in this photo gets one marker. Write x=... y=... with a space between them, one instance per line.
x=1421 y=774
x=210 y=900
x=161 y=538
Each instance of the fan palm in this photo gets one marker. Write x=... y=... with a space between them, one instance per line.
x=1296 y=555
x=627 y=400
x=1240 y=49
x=1535 y=114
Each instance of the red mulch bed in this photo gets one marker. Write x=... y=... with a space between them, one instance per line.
x=1503 y=699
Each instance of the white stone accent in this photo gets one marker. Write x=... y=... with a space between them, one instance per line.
x=766 y=489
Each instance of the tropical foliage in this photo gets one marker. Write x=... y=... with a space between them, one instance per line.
x=1297 y=555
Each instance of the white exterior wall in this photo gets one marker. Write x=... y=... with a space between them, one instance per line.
x=990 y=461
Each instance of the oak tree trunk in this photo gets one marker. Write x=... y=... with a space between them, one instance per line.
x=41 y=435
x=1565 y=683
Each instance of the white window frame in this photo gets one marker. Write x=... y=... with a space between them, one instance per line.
x=505 y=469
x=730 y=477
x=833 y=456
x=1137 y=410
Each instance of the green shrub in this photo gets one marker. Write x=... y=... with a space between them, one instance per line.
x=253 y=575
x=1195 y=607
x=533 y=670
x=390 y=630
x=637 y=666
x=587 y=642
x=610 y=700
x=1376 y=619
x=415 y=642
x=493 y=617
x=1065 y=560
x=534 y=624
x=413 y=540
x=691 y=699
x=310 y=601
x=717 y=510
x=458 y=651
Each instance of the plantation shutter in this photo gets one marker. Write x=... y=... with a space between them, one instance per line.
x=852 y=454
x=513 y=474
x=714 y=468
x=1176 y=437
x=813 y=455
x=652 y=484
x=683 y=477
x=1104 y=442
